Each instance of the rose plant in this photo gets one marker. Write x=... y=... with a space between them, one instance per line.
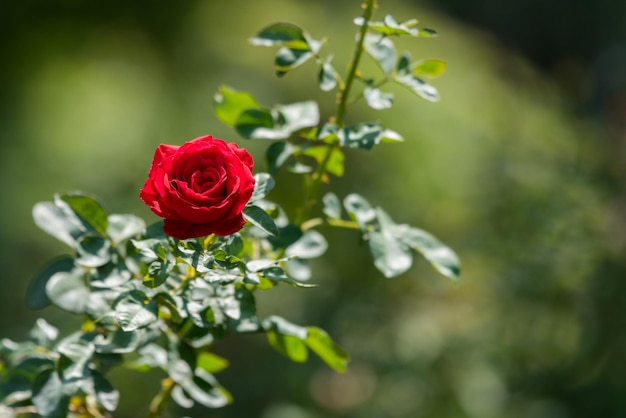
x=159 y=296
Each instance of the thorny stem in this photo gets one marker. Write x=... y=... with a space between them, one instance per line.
x=314 y=182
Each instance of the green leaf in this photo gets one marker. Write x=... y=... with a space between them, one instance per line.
x=419 y=87
x=58 y=221
x=288 y=59
x=124 y=227
x=321 y=344
x=383 y=51
x=179 y=396
x=211 y=363
x=284 y=34
x=332 y=205
x=105 y=393
x=299 y=115
x=289 y=346
x=327 y=78
x=198 y=389
x=329 y=133
x=68 y=290
x=404 y=65
x=118 y=342
x=158 y=272
x=390 y=136
x=390 y=256
x=93 y=251
x=427 y=33
x=278 y=123
x=286 y=338
x=258 y=124
x=43 y=334
x=312 y=244
x=150 y=356
x=48 y=396
x=389 y=26
x=259 y=218
x=335 y=163
x=277 y=154
x=376 y=99
x=36 y=296
x=133 y=310
x=440 y=256
x=430 y=68
x=362 y=135
x=360 y=211
x=89 y=210
x=264 y=183
x=76 y=354
x=229 y=104
x=277 y=274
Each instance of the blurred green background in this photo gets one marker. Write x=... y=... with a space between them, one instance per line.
x=520 y=168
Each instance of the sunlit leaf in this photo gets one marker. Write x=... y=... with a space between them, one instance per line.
x=377 y=99
x=299 y=115
x=391 y=256
x=286 y=338
x=118 y=342
x=277 y=154
x=43 y=333
x=403 y=67
x=390 y=136
x=133 y=310
x=278 y=123
x=36 y=296
x=427 y=33
x=258 y=124
x=362 y=135
x=68 y=290
x=321 y=344
x=88 y=209
x=259 y=218
x=419 y=87
x=158 y=272
x=430 y=68
x=93 y=251
x=76 y=354
x=58 y=221
x=288 y=59
x=327 y=78
x=360 y=210
x=106 y=395
x=211 y=362
x=283 y=34
x=335 y=162
x=382 y=50
x=332 y=205
x=439 y=255
x=124 y=227
x=277 y=274
x=311 y=245
x=264 y=183
x=48 y=396
x=389 y=26
x=228 y=104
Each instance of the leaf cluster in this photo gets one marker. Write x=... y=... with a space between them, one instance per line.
x=150 y=301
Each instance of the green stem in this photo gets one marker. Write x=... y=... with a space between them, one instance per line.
x=314 y=182
x=160 y=400
x=358 y=51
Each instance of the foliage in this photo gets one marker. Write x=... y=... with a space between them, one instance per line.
x=149 y=301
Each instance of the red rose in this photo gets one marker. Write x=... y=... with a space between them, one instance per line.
x=200 y=188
